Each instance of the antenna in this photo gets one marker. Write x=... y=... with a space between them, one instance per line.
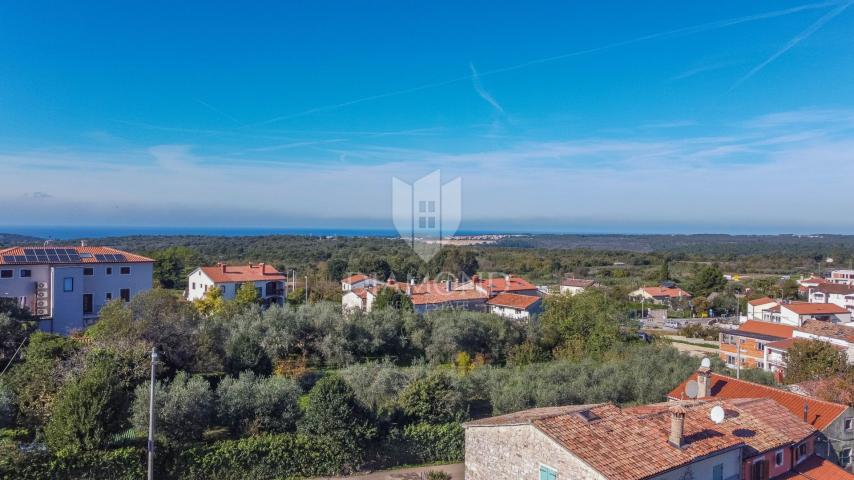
x=692 y=389
x=717 y=414
x=706 y=363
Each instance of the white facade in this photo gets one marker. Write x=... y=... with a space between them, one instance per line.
x=361 y=299
x=572 y=290
x=270 y=290
x=510 y=312
x=842 y=277
x=844 y=300
x=790 y=317
x=358 y=281
x=68 y=297
x=754 y=312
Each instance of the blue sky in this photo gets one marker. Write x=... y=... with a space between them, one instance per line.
x=575 y=116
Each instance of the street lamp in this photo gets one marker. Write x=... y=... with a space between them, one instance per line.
x=151 y=415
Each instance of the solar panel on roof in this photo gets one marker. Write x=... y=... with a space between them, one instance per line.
x=32 y=258
x=29 y=251
x=10 y=259
x=101 y=257
x=21 y=258
x=120 y=258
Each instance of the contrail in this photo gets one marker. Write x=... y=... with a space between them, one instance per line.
x=475 y=78
x=791 y=43
x=653 y=36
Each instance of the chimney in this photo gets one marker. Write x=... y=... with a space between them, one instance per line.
x=806 y=413
x=412 y=281
x=82 y=243
x=475 y=279
x=222 y=267
x=507 y=278
x=448 y=285
x=262 y=265
x=409 y=290
x=704 y=381
x=677 y=425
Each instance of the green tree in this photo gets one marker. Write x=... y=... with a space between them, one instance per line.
x=433 y=399
x=212 y=303
x=88 y=409
x=581 y=325
x=708 y=279
x=7 y=406
x=332 y=410
x=16 y=325
x=393 y=298
x=337 y=268
x=252 y=405
x=813 y=360
x=184 y=408
x=173 y=265
x=453 y=261
x=664 y=271
x=247 y=295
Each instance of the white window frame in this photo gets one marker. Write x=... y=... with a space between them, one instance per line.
x=122 y=268
x=782 y=455
x=843 y=456
x=848 y=423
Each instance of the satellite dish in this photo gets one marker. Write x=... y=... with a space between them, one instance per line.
x=692 y=389
x=706 y=363
x=717 y=414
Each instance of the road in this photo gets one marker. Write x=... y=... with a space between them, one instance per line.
x=457 y=471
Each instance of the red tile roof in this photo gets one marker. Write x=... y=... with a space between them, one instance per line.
x=827 y=329
x=765 y=328
x=632 y=443
x=671 y=292
x=502 y=284
x=834 y=288
x=784 y=344
x=815 y=308
x=433 y=293
x=243 y=273
x=356 y=278
x=87 y=252
x=762 y=301
x=817 y=468
x=820 y=414
x=513 y=300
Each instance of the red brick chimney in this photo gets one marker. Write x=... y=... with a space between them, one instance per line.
x=677 y=425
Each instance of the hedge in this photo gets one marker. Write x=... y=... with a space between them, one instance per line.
x=425 y=443
x=119 y=464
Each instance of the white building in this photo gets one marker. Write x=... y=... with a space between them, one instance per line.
x=268 y=282
x=358 y=280
x=515 y=306
x=795 y=314
x=574 y=286
x=759 y=305
x=837 y=294
x=66 y=287
x=359 y=299
x=842 y=277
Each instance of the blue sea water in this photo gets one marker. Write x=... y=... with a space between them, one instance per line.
x=66 y=232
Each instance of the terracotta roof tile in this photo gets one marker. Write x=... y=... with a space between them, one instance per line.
x=87 y=252
x=243 y=273
x=671 y=292
x=513 y=300
x=820 y=414
x=766 y=328
x=762 y=301
x=817 y=468
x=356 y=278
x=827 y=329
x=814 y=308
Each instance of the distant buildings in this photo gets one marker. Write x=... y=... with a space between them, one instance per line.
x=660 y=295
x=268 y=282
x=837 y=294
x=834 y=422
x=66 y=287
x=842 y=277
x=753 y=439
x=574 y=286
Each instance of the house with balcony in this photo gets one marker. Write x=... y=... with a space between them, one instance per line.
x=837 y=294
x=66 y=287
x=756 y=306
x=746 y=346
x=833 y=422
x=269 y=283
x=844 y=277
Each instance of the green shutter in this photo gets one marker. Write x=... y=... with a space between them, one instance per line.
x=718 y=472
x=547 y=473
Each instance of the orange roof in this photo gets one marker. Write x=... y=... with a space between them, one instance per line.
x=513 y=300
x=817 y=468
x=827 y=329
x=820 y=414
x=243 y=273
x=762 y=301
x=577 y=282
x=765 y=328
x=815 y=308
x=612 y=440
x=355 y=278
x=502 y=284
x=834 y=288
x=87 y=255
x=431 y=293
x=784 y=344
x=671 y=292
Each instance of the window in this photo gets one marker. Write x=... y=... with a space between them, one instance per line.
x=800 y=452
x=109 y=270
x=108 y=296
x=88 y=271
x=68 y=284
x=730 y=359
x=760 y=365
x=5 y=273
x=778 y=458
x=87 y=303
x=125 y=294
x=718 y=472
x=194 y=286
x=26 y=273
x=760 y=346
x=547 y=473
x=849 y=423
x=845 y=457
x=124 y=270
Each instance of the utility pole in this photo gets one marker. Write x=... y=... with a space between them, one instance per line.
x=306 y=289
x=738 y=359
x=151 y=415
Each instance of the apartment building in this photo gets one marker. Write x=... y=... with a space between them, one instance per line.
x=66 y=287
x=837 y=294
x=845 y=277
x=746 y=346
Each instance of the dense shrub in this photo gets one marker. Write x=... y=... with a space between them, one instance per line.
x=433 y=399
x=118 y=464
x=7 y=406
x=184 y=408
x=377 y=385
x=250 y=404
x=427 y=443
